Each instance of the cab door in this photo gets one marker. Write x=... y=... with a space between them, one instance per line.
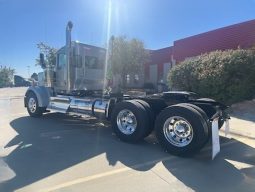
x=61 y=71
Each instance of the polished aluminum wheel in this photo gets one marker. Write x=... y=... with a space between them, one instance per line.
x=126 y=122
x=178 y=131
x=32 y=105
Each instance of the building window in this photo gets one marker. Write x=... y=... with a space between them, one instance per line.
x=93 y=62
x=128 y=78
x=136 y=78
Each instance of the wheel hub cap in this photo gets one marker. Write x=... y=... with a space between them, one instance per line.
x=32 y=105
x=178 y=131
x=126 y=122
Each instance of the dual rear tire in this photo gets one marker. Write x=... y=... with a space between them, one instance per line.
x=181 y=129
x=130 y=121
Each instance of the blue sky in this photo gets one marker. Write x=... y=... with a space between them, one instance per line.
x=23 y=23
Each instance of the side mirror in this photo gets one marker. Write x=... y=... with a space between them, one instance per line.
x=42 y=63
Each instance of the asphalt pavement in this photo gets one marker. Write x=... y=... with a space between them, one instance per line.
x=63 y=153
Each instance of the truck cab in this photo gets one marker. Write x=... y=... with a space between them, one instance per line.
x=86 y=68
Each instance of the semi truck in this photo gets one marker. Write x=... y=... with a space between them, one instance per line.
x=181 y=120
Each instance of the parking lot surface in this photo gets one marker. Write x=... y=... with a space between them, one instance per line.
x=63 y=153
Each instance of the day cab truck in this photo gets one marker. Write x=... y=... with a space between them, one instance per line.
x=182 y=121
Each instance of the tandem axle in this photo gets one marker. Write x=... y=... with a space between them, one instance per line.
x=182 y=122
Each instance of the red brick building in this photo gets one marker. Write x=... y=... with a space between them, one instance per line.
x=240 y=35
x=160 y=61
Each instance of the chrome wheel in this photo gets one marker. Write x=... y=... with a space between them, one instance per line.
x=126 y=122
x=32 y=105
x=178 y=131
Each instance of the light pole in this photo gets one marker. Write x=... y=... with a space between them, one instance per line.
x=28 y=71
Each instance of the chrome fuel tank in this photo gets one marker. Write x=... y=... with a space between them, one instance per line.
x=90 y=106
x=81 y=106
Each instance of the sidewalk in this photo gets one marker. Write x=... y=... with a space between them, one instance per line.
x=242 y=120
x=240 y=127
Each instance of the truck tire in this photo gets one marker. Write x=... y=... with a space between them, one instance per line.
x=32 y=105
x=205 y=117
x=211 y=111
x=151 y=116
x=201 y=111
x=129 y=121
x=181 y=130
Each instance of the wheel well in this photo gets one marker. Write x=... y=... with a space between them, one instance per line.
x=42 y=94
x=157 y=105
x=28 y=92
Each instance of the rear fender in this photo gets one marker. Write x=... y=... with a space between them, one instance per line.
x=212 y=108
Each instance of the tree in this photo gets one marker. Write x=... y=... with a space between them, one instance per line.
x=6 y=76
x=49 y=54
x=126 y=57
x=34 y=76
x=227 y=76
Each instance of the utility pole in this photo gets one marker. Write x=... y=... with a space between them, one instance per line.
x=28 y=71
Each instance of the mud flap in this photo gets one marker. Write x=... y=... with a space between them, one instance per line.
x=215 y=138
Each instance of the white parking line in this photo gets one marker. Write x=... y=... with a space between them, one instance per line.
x=117 y=171
x=105 y=174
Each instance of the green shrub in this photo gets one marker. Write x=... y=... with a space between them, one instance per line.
x=227 y=76
x=6 y=76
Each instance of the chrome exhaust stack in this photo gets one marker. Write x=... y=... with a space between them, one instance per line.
x=68 y=47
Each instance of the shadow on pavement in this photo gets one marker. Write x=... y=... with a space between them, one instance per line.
x=220 y=174
x=56 y=142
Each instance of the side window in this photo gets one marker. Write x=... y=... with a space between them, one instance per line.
x=61 y=60
x=93 y=62
x=90 y=62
